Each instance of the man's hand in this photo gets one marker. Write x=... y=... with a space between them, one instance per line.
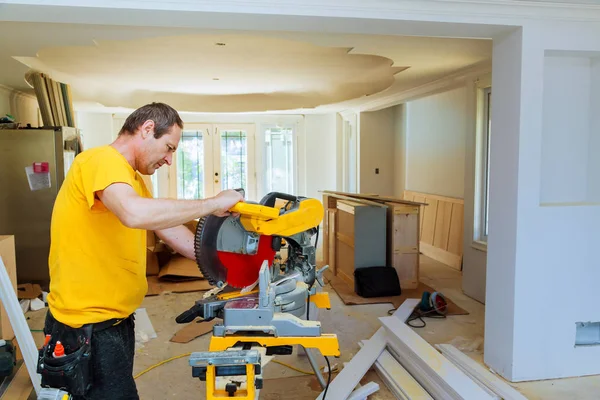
x=225 y=200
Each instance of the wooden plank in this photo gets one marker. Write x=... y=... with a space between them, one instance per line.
x=422 y=215
x=442 y=225
x=435 y=197
x=406 y=383
x=345 y=382
x=455 y=240
x=443 y=256
x=373 y=197
x=479 y=372
x=348 y=206
x=428 y=229
x=358 y=200
x=20 y=387
x=7 y=252
x=415 y=351
x=325 y=241
x=481 y=385
x=407 y=268
x=347 y=240
x=344 y=262
x=331 y=241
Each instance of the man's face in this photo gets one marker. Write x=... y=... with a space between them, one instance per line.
x=158 y=152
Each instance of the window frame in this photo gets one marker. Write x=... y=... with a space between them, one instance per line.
x=482 y=164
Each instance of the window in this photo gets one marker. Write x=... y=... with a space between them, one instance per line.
x=190 y=166
x=484 y=130
x=279 y=160
x=234 y=159
x=488 y=130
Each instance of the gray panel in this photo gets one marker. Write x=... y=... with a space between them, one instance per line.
x=370 y=232
x=23 y=212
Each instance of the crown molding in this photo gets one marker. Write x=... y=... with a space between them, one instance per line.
x=449 y=82
x=472 y=11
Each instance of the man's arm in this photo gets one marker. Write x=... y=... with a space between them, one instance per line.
x=139 y=212
x=180 y=239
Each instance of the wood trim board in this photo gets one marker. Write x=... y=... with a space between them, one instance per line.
x=432 y=370
x=345 y=382
x=471 y=367
x=7 y=253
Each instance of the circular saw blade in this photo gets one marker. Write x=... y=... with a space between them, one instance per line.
x=219 y=267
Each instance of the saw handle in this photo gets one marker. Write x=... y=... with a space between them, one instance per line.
x=190 y=315
x=255 y=210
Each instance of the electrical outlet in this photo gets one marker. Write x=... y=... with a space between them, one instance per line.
x=377 y=171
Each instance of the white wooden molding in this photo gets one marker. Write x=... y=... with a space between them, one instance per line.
x=19 y=325
x=432 y=370
x=352 y=8
x=480 y=373
x=345 y=382
x=400 y=382
x=448 y=82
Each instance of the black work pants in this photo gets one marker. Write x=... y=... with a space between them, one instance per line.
x=112 y=361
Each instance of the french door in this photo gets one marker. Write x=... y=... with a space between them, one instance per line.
x=214 y=157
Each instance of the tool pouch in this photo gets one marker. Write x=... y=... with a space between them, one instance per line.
x=73 y=372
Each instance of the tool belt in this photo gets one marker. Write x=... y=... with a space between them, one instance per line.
x=73 y=371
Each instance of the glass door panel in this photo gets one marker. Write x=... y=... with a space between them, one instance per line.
x=233 y=161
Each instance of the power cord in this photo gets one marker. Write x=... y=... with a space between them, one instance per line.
x=419 y=315
x=328 y=377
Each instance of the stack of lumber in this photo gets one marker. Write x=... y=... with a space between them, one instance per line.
x=54 y=98
x=413 y=369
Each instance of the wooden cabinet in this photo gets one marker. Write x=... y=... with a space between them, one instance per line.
x=7 y=252
x=366 y=230
x=360 y=238
x=403 y=243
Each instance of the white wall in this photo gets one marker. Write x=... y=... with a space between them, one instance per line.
x=376 y=151
x=318 y=160
x=436 y=129
x=96 y=128
x=566 y=173
x=539 y=246
x=474 y=253
x=399 y=150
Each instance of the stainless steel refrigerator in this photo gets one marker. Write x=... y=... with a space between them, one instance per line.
x=33 y=165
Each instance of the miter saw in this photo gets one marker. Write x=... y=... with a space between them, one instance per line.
x=236 y=254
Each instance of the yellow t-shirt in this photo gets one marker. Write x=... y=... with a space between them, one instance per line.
x=97 y=264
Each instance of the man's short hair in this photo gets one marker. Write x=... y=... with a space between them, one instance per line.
x=163 y=115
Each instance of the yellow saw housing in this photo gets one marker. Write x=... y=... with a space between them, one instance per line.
x=268 y=220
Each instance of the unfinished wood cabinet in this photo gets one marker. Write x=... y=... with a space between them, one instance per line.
x=398 y=220
x=403 y=243
x=360 y=238
x=7 y=252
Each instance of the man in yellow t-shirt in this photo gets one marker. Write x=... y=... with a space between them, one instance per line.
x=98 y=242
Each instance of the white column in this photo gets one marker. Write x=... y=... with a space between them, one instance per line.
x=543 y=271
